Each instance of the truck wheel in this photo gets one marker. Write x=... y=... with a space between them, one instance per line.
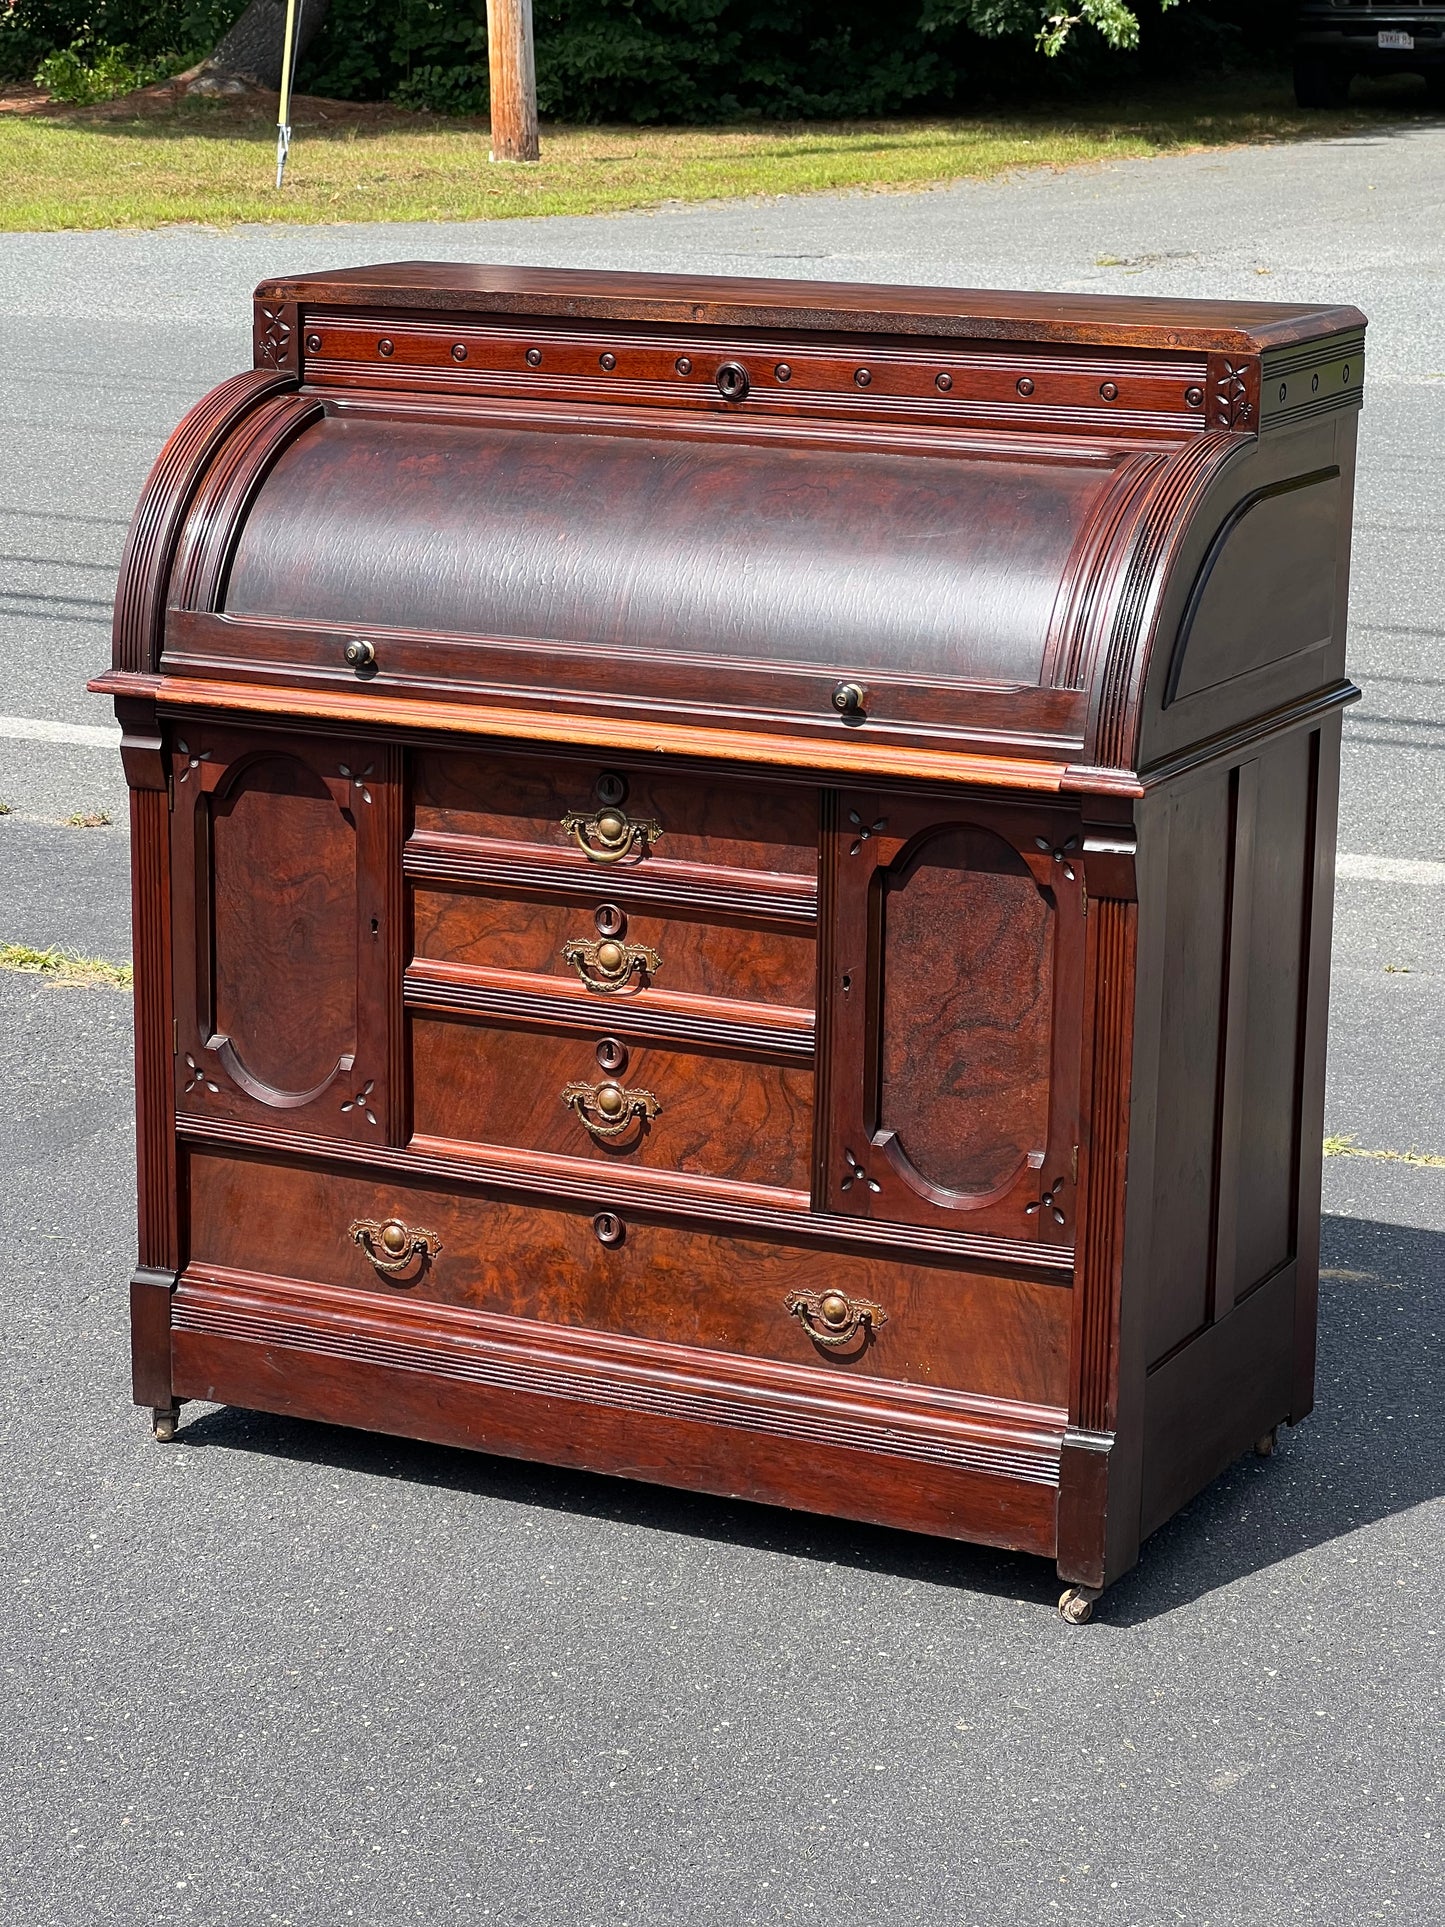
x=1320 y=81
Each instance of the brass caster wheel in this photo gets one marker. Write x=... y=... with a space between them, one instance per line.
x=164 y=1420
x=1077 y=1604
x=1265 y=1444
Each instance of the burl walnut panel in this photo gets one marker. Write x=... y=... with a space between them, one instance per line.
x=952 y=1041
x=741 y=825
x=283 y=879
x=718 y=1116
x=1005 y=1337
x=967 y=1012
x=723 y=959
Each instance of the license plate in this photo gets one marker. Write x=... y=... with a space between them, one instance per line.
x=1390 y=37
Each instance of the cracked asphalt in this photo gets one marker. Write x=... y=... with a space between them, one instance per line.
x=283 y=1673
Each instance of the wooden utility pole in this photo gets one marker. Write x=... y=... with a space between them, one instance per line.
x=514 y=80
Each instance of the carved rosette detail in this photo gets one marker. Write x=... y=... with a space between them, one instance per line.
x=198 y=1081
x=361 y=1100
x=1062 y=854
x=194 y=759
x=357 y=779
x=275 y=336
x=857 y=1175
x=865 y=830
x=1232 y=407
x=1048 y=1205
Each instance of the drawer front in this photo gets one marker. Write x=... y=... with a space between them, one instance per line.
x=698 y=1112
x=995 y=1336
x=578 y=942
x=710 y=821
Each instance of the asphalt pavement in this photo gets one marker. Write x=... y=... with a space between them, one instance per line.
x=278 y=1672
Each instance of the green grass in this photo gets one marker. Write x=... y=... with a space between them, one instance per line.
x=65 y=967
x=213 y=162
x=1340 y=1146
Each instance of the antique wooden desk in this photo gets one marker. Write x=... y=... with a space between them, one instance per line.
x=732 y=884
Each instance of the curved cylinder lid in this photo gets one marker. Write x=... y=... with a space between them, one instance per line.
x=931 y=564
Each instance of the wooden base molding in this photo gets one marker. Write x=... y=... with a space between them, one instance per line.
x=741 y=1427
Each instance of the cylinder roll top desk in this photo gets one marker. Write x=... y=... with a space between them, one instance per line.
x=733 y=879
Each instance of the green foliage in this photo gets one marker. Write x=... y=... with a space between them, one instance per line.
x=81 y=74
x=648 y=60
x=652 y=61
x=1050 y=25
x=147 y=36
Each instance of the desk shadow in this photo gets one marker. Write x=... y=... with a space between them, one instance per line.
x=1374 y=1446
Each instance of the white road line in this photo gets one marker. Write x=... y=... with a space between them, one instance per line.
x=1349 y=868
x=1390 y=869
x=39 y=729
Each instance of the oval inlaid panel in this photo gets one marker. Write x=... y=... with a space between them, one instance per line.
x=968 y=981
x=283 y=916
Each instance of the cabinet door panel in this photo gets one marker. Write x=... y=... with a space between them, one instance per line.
x=283 y=928
x=952 y=1015
x=967 y=946
x=287 y=945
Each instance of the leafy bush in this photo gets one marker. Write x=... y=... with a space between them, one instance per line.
x=81 y=75
x=728 y=60
x=688 y=60
x=139 y=32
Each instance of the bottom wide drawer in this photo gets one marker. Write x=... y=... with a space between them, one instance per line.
x=999 y=1336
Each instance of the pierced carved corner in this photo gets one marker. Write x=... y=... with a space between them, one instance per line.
x=276 y=336
x=1233 y=394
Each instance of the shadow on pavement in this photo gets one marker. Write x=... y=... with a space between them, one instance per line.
x=1374 y=1446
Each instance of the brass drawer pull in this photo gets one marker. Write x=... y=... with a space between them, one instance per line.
x=607 y=966
x=608 y=835
x=608 y=1110
x=832 y=1317
x=392 y=1245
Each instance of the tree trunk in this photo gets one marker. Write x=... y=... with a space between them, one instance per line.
x=250 y=55
x=513 y=80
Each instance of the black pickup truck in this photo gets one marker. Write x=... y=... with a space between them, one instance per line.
x=1337 y=39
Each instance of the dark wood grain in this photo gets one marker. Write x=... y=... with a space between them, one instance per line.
x=978 y=977
x=1007 y=1338
x=520 y=799
x=1240 y=327
x=735 y=1118
x=746 y=1429
x=967 y=671
x=288 y=929
x=724 y=959
x=283 y=924
x=609 y=682
x=966 y=1023
x=622 y=541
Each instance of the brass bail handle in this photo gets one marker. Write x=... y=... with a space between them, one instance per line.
x=608 y=1110
x=607 y=966
x=609 y=834
x=832 y=1317
x=393 y=1246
